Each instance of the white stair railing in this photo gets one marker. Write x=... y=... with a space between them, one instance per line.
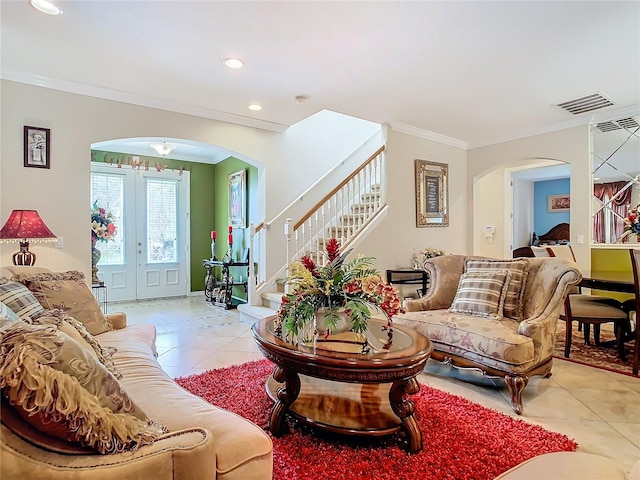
x=342 y=213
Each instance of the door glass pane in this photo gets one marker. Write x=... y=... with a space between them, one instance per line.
x=107 y=191
x=162 y=220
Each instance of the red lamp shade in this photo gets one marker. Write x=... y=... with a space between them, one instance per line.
x=22 y=226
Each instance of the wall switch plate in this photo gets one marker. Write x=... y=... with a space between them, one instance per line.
x=580 y=239
x=59 y=242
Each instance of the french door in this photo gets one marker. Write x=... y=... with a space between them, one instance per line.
x=149 y=255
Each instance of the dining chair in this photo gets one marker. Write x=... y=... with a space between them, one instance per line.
x=586 y=309
x=635 y=266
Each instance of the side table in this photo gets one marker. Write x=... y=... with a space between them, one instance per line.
x=99 y=291
x=409 y=276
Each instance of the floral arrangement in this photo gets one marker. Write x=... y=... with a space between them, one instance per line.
x=356 y=287
x=632 y=222
x=102 y=227
x=418 y=258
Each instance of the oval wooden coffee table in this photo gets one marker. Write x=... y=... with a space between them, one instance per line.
x=332 y=385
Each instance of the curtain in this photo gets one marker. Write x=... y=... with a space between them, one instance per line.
x=616 y=197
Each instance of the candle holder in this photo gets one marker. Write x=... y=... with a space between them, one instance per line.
x=213 y=249
x=228 y=255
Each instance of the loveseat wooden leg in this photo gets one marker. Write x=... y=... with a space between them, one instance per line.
x=516 y=384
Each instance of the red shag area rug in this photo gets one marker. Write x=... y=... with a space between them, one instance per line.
x=592 y=355
x=462 y=440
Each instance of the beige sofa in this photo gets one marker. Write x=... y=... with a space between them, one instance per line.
x=513 y=347
x=204 y=442
x=570 y=466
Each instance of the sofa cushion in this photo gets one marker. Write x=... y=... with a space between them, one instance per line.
x=518 y=268
x=481 y=294
x=55 y=382
x=495 y=343
x=19 y=299
x=68 y=291
x=238 y=442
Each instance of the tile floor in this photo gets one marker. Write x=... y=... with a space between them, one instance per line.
x=599 y=409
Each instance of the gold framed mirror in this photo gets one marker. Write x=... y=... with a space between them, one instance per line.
x=432 y=194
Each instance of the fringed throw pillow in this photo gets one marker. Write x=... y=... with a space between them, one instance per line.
x=51 y=379
x=481 y=294
x=513 y=307
x=68 y=291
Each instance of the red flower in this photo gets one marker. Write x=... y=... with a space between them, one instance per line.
x=310 y=265
x=333 y=249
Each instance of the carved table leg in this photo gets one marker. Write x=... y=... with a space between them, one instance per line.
x=287 y=394
x=403 y=408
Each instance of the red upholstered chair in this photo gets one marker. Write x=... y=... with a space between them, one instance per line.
x=585 y=309
x=635 y=265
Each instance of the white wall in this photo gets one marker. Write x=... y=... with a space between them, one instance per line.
x=523 y=191
x=61 y=194
x=569 y=145
x=397 y=237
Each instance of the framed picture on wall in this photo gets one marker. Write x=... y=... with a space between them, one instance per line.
x=37 y=147
x=432 y=194
x=558 y=203
x=238 y=199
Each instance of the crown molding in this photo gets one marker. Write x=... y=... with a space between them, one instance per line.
x=118 y=96
x=428 y=135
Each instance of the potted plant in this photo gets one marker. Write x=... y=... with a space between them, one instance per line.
x=336 y=293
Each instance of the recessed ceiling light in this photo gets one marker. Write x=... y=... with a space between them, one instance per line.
x=45 y=6
x=233 y=62
x=255 y=107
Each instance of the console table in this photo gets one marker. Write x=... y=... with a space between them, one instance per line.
x=409 y=276
x=219 y=281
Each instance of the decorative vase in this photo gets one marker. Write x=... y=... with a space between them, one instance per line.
x=343 y=324
x=95 y=258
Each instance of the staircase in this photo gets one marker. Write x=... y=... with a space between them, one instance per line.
x=359 y=212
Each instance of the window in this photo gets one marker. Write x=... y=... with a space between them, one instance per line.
x=108 y=191
x=162 y=221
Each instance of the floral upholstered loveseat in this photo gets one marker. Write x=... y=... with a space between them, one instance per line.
x=499 y=316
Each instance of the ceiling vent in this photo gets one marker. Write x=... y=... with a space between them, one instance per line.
x=629 y=123
x=586 y=104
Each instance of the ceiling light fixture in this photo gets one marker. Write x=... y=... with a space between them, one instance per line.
x=163 y=148
x=45 y=6
x=254 y=107
x=233 y=62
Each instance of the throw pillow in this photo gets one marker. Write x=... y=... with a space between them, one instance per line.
x=50 y=378
x=7 y=314
x=19 y=299
x=519 y=268
x=481 y=294
x=68 y=291
x=78 y=332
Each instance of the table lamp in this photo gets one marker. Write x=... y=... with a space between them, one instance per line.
x=24 y=226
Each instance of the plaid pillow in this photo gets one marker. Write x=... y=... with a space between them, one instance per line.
x=513 y=307
x=481 y=294
x=19 y=299
x=7 y=314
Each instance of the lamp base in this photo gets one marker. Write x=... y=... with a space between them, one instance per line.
x=24 y=256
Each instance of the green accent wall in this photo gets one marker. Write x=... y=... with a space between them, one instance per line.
x=240 y=236
x=209 y=205
x=610 y=260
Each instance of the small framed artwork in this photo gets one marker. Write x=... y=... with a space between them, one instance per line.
x=432 y=194
x=558 y=203
x=238 y=199
x=37 y=147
